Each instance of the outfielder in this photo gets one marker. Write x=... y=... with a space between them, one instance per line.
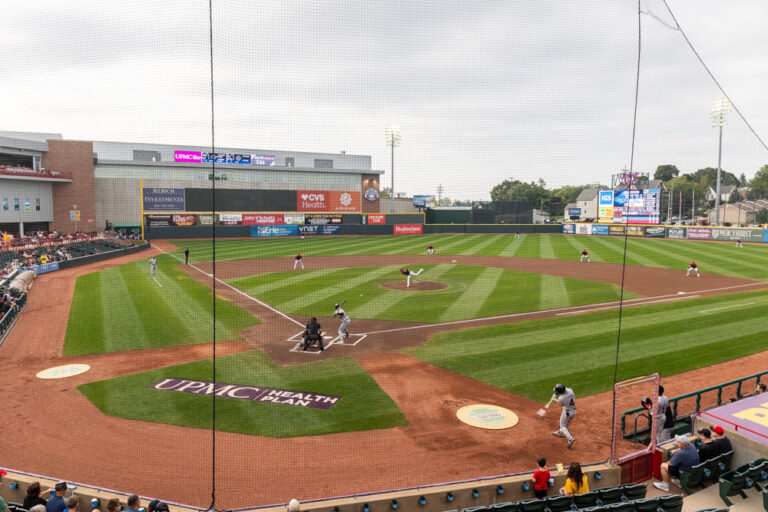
x=343 y=327
x=585 y=254
x=152 y=265
x=407 y=273
x=567 y=401
x=738 y=243
x=517 y=234
x=693 y=267
x=298 y=261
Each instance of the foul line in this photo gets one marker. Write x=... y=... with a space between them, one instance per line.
x=254 y=299
x=158 y=282
x=726 y=307
x=684 y=297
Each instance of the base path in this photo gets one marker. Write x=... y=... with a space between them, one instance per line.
x=49 y=428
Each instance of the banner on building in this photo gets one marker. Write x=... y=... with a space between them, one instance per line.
x=163 y=199
x=327 y=201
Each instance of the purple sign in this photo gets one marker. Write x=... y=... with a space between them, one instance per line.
x=748 y=417
x=188 y=156
x=163 y=199
x=252 y=393
x=699 y=234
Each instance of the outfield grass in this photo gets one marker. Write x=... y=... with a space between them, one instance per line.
x=123 y=308
x=716 y=258
x=472 y=292
x=363 y=404
x=529 y=358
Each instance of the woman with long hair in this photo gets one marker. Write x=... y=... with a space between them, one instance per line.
x=575 y=482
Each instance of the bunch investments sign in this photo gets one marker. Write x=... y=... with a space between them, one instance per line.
x=250 y=393
x=163 y=199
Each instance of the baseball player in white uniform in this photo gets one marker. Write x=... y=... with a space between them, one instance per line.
x=298 y=262
x=152 y=265
x=408 y=273
x=567 y=401
x=344 y=326
x=585 y=256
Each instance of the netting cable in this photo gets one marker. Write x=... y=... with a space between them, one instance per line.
x=213 y=257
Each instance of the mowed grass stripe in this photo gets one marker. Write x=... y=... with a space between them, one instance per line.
x=546 y=249
x=349 y=279
x=554 y=293
x=482 y=245
x=472 y=300
x=617 y=252
x=513 y=245
x=279 y=280
x=390 y=298
x=567 y=248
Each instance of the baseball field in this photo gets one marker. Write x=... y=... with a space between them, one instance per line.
x=491 y=319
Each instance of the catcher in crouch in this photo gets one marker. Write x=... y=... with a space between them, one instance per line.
x=312 y=335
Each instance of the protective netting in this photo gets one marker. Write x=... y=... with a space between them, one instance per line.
x=247 y=143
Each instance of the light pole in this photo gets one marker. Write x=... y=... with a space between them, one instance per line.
x=719 y=116
x=392 y=134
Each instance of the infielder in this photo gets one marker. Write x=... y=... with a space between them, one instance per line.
x=693 y=267
x=343 y=327
x=430 y=249
x=152 y=265
x=297 y=261
x=567 y=401
x=738 y=243
x=407 y=273
x=585 y=254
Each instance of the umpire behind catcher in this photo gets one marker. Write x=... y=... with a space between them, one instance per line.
x=312 y=334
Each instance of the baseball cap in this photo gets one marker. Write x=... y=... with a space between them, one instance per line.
x=717 y=429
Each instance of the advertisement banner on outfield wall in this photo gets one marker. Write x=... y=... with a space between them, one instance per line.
x=275 y=230
x=635 y=230
x=600 y=230
x=377 y=218
x=322 y=218
x=262 y=219
x=569 y=229
x=163 y=199
x=583 y=229
x=159 y=220
x=699 y=234
x=765 y=235
x=733 y=234
x=205 y=219
x=407 y=229
x=293 y=218
x=605 y=212
x=230 y=219
x=676 y=233
x=47 y=267
x=184 y=220
x=655 y=232
x=616 y=230
x=324 y=229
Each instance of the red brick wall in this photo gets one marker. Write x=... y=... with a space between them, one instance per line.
x=370 y=181
x=75 y=157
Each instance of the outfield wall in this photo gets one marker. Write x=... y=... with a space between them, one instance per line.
x=720 y=234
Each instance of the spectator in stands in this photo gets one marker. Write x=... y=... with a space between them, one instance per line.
x=541 y=478
x=759 y=389
x=33 y=496
x=293 y=506
x=3 y=506
x=684 y=459
x=723 y=443
x=57 y=503
x=575 y=482
x=708 y=449
x=134 y=503
x=73 y=504
x=113 y=505
x=37 y=508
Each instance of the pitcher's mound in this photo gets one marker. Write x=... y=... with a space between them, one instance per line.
x=416 y=286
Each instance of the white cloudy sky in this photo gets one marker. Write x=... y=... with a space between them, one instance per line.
x=482 y=90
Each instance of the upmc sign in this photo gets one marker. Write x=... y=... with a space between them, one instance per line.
x=327 y=201
x=407 y=229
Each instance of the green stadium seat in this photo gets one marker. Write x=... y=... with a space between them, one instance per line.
x=588 y=499
x=610 y=495
x=532 y=505
x=646 y=505
x=621 y=507
x=596 y=508
x=480 y=508
x=671 y=503
x=559 y=503
x=765 y=499
x=693 y=478
x=723 y=463
x=510 y=506
x=726 y=509
x=733 y=482
x=758 y=472
x=634 y=491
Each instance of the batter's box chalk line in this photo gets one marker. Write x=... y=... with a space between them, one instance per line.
x=328 y=341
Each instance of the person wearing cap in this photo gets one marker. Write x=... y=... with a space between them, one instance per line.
x=683 y=460
x=57 y=503
x=708 y=449
x=722 y=443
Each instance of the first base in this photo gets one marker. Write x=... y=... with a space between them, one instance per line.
x=487 y=416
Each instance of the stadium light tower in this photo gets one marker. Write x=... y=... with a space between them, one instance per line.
x=392 y=134
x=719 y=115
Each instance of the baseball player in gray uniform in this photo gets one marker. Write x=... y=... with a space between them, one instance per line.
x=344 y=326
x=152 y=265
x=567 y=401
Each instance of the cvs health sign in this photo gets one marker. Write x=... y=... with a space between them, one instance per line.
x=327 y=201
x=407 y=229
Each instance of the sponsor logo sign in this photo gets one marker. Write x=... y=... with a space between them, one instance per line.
x=616 y=230
x=205 y=220
x=605 y=212
x=292 y=230
x=569 y=229
x=188 y=156
x=232 y=158
x=371 y=194
x=583 y=229
x=606 y=198
x=748 y=235
x=48 y=267
x=265 y=219
x=765 y=235
x=655 y=232
x=230 y=219
x=184 y=220
x=327 y=201
x=574 y=212
x=600 y=230
x=293 y=218
x=407 y=229
x=159 y=220
x=377 y=218
x=163 y=199
x=634 y=231
x=325 y=229
x=487 y=416
x=699 y=234
x=251 y=393
x=322 y=218
x=677 y=233
x=421 y=201
x=263 y=160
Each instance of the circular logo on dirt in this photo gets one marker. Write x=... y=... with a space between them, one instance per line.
x=345 y=199
x=61 y=372
x=371 y=194
x=487 y=416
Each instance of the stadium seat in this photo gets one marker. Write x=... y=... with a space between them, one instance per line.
x=721 y=464
x=693 y=478
x=647 y=505
x=596 y=508
x=481 y=508
x=610 y=495
x=505 y=507
x=765 y=499
x=532 y=505
x=588 y=499
x=671 y=503
x=726 y=509
x=758 y=472
x=733 y=483
x=621 y=507
x=634 y=491
x=559 y=503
